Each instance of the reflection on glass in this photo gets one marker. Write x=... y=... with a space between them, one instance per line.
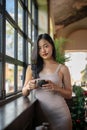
x=9 y=40
x=10 y=7
x=29 y=53
x=20 y=12
x=20 y=77
x=20 y=47
x=29 y=27
x=9 y=80
x=78 y=66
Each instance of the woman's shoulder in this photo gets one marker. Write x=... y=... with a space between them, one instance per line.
x=64 y=68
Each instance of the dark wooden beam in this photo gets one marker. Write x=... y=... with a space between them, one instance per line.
x=78 y=15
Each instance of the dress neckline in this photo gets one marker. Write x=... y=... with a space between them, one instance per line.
x=56 y=71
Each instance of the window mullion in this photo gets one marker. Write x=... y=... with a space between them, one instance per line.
x=2 y=64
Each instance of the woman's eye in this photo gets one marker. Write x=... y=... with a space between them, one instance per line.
x=46 y=46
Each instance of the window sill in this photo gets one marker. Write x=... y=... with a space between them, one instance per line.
x=15 y=114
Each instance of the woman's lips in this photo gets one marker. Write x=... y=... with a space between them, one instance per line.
x=45 y=54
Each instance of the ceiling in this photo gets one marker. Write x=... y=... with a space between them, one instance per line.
x=66 y=12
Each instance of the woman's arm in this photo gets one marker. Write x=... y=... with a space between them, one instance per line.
x=66 y=91
x=28 y=77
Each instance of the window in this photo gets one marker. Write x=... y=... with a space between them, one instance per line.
x=9 y=78
x=17 y=33
x=78 y=67
x=10 y=7
x=20 y=16
x=9 y=40
x=20 y=47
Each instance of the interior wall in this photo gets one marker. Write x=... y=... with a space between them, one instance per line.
x=77 y=41
x=43 y=20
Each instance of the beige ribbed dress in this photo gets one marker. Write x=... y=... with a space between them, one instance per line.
x=53 y=104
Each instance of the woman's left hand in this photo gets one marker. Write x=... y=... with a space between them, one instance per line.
x=49 y=86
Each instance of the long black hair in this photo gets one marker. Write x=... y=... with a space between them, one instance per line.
x=39 y=60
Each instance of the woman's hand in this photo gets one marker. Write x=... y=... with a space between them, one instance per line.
x=50 y=86
x=31 y=85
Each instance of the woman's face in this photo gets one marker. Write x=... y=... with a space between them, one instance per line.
x=45 y=49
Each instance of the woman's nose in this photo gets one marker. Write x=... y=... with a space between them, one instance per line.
x=43 y=50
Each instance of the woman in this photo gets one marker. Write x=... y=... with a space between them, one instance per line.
x=58 y=87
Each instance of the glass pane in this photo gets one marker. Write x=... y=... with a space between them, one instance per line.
x=29 y=5
x=22 y=0
x=20 y=14
x=29 y=53
x=9 y=40
x=20 y=47
x=33 y=33
x=20 y=77
x=0 y=1
x=0 y=73
x=9 y=79
x=0 y=31
x=29 y=27
x=78 y=69
x=32 y=10
x=10 y=7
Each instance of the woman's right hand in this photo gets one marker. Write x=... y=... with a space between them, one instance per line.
x=30 y=85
